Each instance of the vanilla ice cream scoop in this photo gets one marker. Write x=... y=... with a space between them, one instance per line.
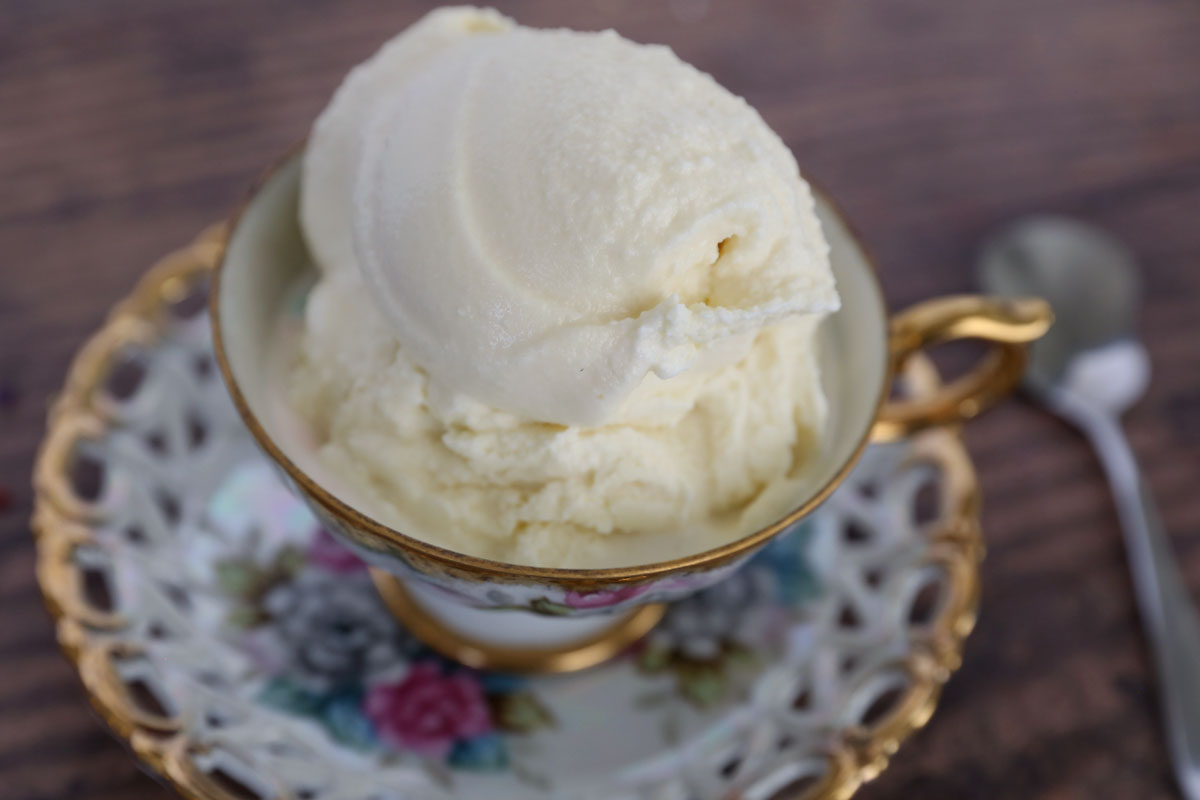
x=552 y=221
x=517 y=227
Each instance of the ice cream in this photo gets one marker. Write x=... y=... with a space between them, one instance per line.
x=568 y=297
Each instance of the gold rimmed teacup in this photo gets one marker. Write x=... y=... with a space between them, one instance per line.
x=460 y=600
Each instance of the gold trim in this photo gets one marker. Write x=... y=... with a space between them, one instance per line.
x=1007 y=324
x=577 y=655
x=485 y=569
x=60 y=521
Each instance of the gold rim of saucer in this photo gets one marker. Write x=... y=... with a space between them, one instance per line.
x=479 y=568
x=570 y=657
x=163 y=744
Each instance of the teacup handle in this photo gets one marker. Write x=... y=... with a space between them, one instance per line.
x=1009 y=324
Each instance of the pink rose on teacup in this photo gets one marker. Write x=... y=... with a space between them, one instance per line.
x=327 y=552
x=605 y=597
x=428 y=712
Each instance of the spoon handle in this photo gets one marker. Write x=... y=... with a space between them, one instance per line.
x=1169 y=616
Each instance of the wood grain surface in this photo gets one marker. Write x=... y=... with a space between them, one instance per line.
x=128 y=125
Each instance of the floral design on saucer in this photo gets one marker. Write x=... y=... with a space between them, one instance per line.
x=329 y=651
x=303 y=608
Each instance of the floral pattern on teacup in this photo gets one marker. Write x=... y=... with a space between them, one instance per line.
x=540 y=598
x=606 y=598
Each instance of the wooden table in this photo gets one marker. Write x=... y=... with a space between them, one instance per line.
x=127 y=125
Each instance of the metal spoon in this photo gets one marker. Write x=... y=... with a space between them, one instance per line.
x=1089 y=369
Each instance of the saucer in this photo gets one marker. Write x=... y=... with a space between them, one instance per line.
x=242 y=653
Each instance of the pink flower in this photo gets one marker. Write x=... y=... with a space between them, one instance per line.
x=428 y=712
x=328 y=553
x=605 y=598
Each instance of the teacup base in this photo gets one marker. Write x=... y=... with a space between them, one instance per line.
x=512 y=641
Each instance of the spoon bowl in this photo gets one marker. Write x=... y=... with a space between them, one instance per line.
x=1090 y=280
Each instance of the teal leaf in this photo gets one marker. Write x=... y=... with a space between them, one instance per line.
x=347 y=724
x=787 y=557
x=285 y=695
x=485 y=753
x=501 y=682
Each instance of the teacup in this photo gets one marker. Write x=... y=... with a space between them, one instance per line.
x=512 y=616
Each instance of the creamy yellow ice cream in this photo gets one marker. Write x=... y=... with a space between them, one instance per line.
x=569 y=289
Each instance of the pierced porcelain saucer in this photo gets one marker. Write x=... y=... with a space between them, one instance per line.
x=244 y=654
